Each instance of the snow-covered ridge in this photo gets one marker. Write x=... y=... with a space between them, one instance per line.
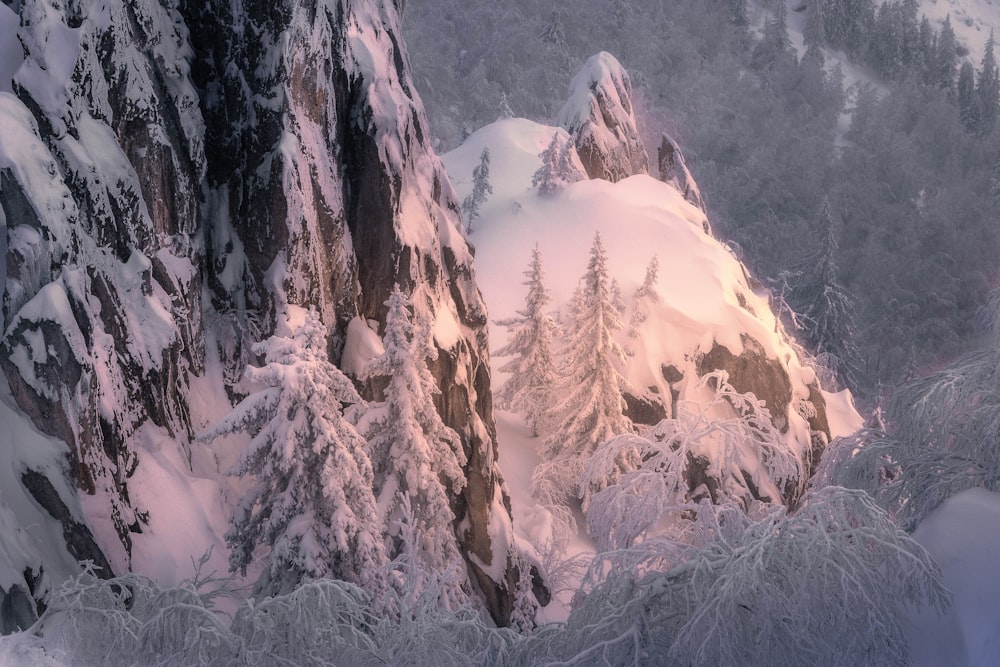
x=709 y=314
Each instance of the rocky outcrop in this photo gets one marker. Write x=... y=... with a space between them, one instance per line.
x=335 y=196
x=674 y=170
x=752 y=371
x=598 y=116
x=100 y=175
x=261 y=154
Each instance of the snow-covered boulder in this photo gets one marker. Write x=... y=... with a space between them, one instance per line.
x=708 y=314
x=599 y=117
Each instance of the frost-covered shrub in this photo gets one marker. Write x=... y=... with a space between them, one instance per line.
x=634 y=485
x=827 y=584
x=941 y=437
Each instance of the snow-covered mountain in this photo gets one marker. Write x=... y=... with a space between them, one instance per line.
x=174 y=177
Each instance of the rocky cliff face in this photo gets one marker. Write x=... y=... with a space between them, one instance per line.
x=599 y=117
x=260 y=154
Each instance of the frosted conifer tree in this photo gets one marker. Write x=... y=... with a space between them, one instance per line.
x=593 y=410
x=988 y=90
x=312 y=503
x=417 y=458
x=558 y=167
x=827 y=308
x=645 y=296
x=568 y=171
x=505 y=109
x=481 y=189
x=546 y=177
x=530 y=389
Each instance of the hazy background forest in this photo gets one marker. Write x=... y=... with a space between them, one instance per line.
x=904 y=148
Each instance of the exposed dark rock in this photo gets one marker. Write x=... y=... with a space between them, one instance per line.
x=79 y=540
x=644 y=409
x=17 y=610
x=752 y=371
x=674 y=170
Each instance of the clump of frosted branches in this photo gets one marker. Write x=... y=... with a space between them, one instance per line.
x=941 y=438
x=827 y=584
x=634 y=485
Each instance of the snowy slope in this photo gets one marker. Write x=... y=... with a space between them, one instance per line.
x=702 y=284
x=972 y=21
x=707 y=298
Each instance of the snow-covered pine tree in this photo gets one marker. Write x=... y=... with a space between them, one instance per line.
x=775 y=45
x=826 y=306
x=593 y=410
x=988 y=89
x=644 y=297
x=417 y=458
x=546 y=177
x=946 y=58
x=968 y=102
x=558 y=167
x=481 y=189
x=553 y=33
x=505 y=109
x=312 y=503
x=530 y=389
x=568 y=171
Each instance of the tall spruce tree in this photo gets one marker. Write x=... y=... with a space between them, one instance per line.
x=417 y=458
x=531 y=388
x=645 y=296
x=593 y=409
x=946 y=57
x=826 y=306
x=311 y=503
x=481 y=189
x=988 y=90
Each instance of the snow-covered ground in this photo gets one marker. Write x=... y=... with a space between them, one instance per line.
x=963 y=535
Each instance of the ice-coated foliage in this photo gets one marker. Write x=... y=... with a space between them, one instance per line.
x=418 y=459
x=827 y=584
x=593 y=408
x=637 y=486
x=940 y=440
x=131 y=621
x=311 y=504
x=644 y=297
x=531 y=387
